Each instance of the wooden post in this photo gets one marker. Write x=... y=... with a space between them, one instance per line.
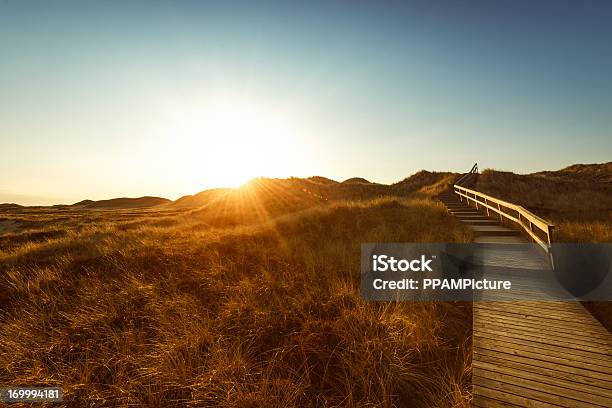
x=501 y=217
x=486 y=202
x=550 y=252
x=550 y=235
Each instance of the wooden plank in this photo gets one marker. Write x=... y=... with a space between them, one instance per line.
x=560 y=304
x=537 y=335
x=549 y=308
x=537 y=320
x=531 y=309
x=525 y=313
x=575 y=376
x=590 y=334
x=575 y=371
x=530 y=397
x=519 y=292
x=539 y=354
x=573 y=335
x=549 y=305
x=558 y=314
x=543 y=340
x=493 y=230
x=506 y=301
x=588 y=393
x=479 y=222
x=482 y=393
x=576 y=325
x=486 y=402
x=569 y=331
x=601 y=361
x=551 y=393
x=498 y=240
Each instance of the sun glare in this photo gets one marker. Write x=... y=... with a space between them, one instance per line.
x=227 y=144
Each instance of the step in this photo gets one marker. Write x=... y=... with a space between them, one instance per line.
x=483 y=239
x=465 y=212
x=479 y=222
x=491 y=230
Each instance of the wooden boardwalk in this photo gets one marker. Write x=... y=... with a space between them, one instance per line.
x=533 y=353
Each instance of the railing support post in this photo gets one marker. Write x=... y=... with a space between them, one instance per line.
x=550 y=235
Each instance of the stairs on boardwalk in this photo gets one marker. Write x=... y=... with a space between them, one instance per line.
x=481 y=224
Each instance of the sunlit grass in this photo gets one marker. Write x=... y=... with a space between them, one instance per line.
x=252 y=300
x=578 y=203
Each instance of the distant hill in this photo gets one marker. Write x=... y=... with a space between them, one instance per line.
x=119 y=203
x=597 y=172
x=10 y=206
x=569 y=186
x=317 y=189
x=356 y=180
x=321 y=180
x=84 y=203
x=201 y=198
x=426 y=182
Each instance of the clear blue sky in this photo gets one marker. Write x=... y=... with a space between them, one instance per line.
x=102 y=99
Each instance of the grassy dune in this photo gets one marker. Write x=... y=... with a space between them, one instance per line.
x=577 y=199
x=250 y=301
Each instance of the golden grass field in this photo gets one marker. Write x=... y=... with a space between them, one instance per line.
x=250 y=301
x=250 y=297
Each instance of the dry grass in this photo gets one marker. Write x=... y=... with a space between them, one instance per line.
x=304 y=192
x=578 y=200
x=588 y=231
x=252 y=301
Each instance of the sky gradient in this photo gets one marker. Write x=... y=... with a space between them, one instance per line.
x=110 y=99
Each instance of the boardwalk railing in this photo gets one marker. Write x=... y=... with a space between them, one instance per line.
x=473 y=171
x=539 y=229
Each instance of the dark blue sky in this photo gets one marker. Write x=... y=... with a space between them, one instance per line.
x=372 y=89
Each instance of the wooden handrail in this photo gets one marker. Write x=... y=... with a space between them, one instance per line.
x=473 y=170
x=526 y=219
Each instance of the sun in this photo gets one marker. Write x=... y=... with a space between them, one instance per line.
x=245 y=142
x=229 y=142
